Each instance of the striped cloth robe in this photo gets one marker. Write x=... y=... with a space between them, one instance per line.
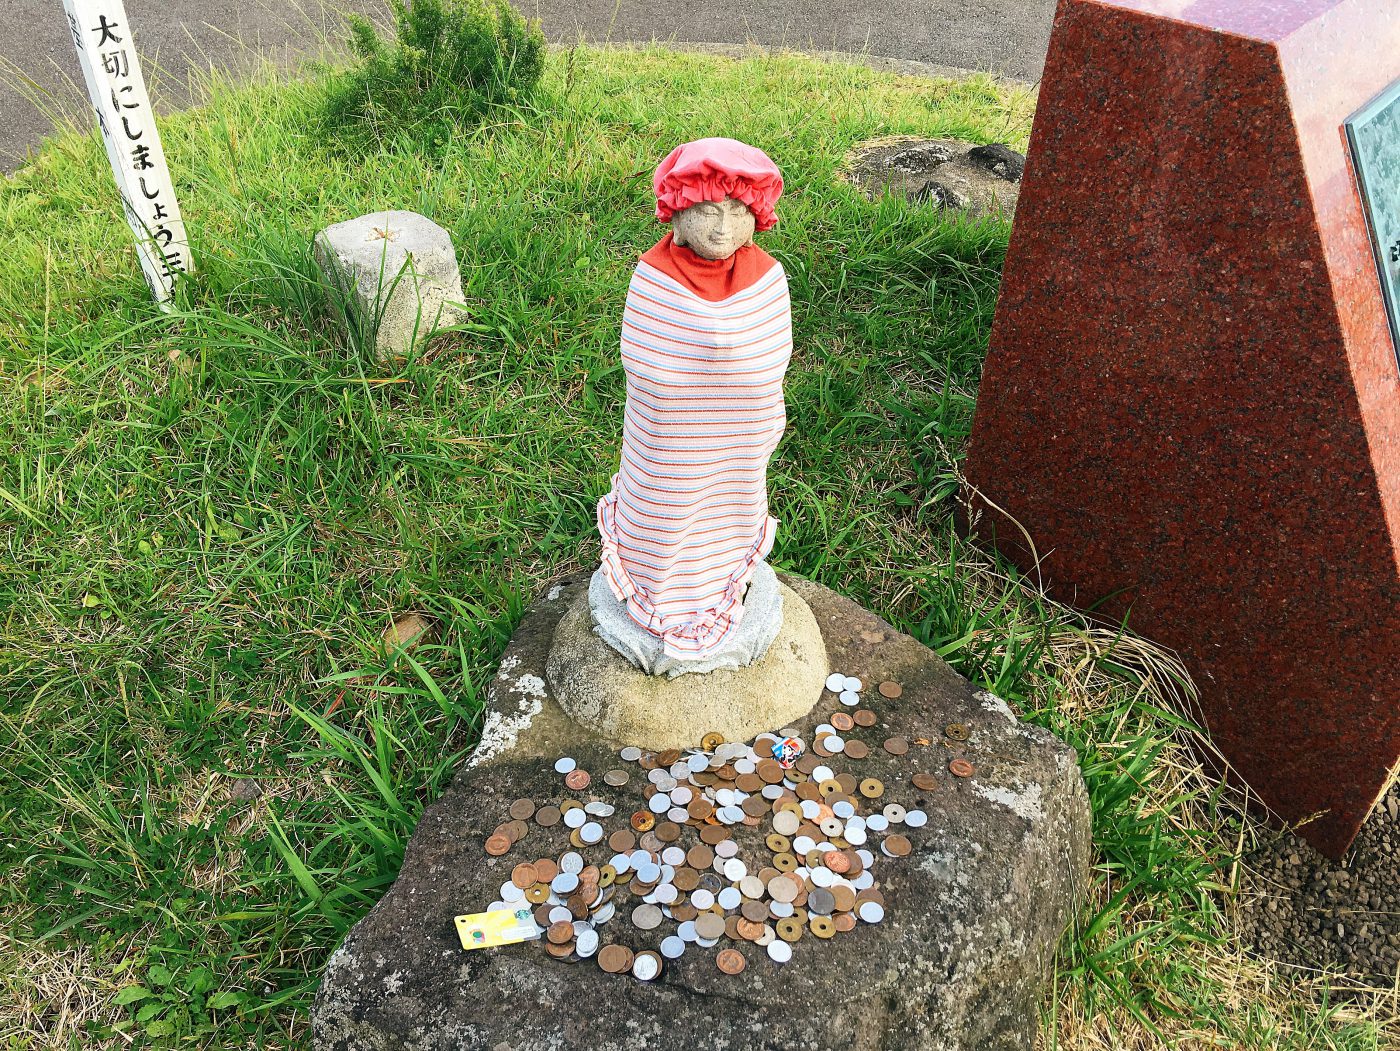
x=687 y=523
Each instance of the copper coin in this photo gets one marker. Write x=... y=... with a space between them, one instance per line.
x=681 y=913
x=807 y=763
x=643 y=821
x=754 y=910
x=864 y=717
x=751 y=783
x=709 y=925
x=763 y=748
x=731 y=961
x=542 y=915
x=497 y=845
x=668 y=758
x=559 y=951
x=751 y=930
x=890 y=690
x=845 y=921
x=897 y=845
x=615 y=959
x=896 y=745
x=837 y=862
x=857 y=749
x=713 y=834
x=578 y=780
x=622 y=840
x=843 y=898
x=547 y=816
x=925 y=782
x=699 y=856
x=668 y=831
x=699 y=809
x=957 y=732
x=960 y=768
x=559 y=933
x=647 y=761
x=711 y=741
x=843 y=721
x=522 y=809
x=770 y=771
x=546 y=869
x=686 y=879
x=524 y=875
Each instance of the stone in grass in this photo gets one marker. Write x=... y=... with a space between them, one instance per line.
x=973 y=913
x=399 y=273
x=950 y=174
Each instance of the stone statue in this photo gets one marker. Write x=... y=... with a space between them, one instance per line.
x=706 y=339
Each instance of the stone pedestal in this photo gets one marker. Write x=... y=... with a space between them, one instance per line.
x=1191 y=404
x=399 y=270
x=973 y=914
x=600 y=690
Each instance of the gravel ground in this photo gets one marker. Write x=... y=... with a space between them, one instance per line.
x=1303 y=909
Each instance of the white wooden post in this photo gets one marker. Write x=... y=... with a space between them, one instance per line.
x=107 y=54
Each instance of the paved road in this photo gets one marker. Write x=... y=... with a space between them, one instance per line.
x=39 y=72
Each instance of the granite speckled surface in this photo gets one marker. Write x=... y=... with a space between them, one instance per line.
x=1191 y=400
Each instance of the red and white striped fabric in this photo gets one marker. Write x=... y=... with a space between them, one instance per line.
x=687 y=522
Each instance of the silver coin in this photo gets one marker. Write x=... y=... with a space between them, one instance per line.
x=850 y=698
x=673 y=947
x=835 y=682
x=673 y=856
x=686 y=931
x=564 y=883
x=871 y=911
x=779 y=951
x=606 y=912
x=591 y=833
x=852 y=683
x=586 y=943
x=915 y=819
x=821 y=901
x=646 y=917
x=855 y=835
x=645 y=967
x=575 y=818
x=702 y=899
x=630 y=754
x=572 y=861
x=894 y=813
x=617 y=778
x=785 y=822
x=564 y=765
x=597 y=808
x=729 y=898
x=726 y=848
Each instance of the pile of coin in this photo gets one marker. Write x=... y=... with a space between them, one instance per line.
x=676 y=861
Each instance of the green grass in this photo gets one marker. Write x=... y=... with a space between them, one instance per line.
x=210 y=516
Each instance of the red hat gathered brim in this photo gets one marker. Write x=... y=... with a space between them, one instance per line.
x=713 y=169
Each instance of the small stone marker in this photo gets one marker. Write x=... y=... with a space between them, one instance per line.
x=112 y=72
x=399 y=270
x=1191 y=404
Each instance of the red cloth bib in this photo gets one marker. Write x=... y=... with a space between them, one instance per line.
x=711 y=279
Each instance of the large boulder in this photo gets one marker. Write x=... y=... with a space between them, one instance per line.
x=973 y=913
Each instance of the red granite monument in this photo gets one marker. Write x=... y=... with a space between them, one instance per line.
x=1192 y=399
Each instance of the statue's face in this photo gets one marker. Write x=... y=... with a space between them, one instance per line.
x=714 y=229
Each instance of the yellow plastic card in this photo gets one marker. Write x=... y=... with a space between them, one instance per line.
x=481 y=930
